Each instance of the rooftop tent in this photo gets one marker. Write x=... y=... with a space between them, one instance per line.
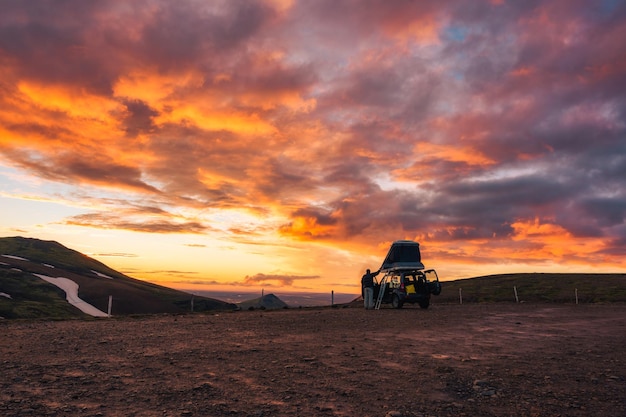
x=403 y=254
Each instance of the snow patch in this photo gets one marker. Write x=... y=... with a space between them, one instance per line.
x=101 y=275
x=19 y=258
x=3 y=294
x=4 y=263
x=48 y=265
x=71 y=294
x=16 y=269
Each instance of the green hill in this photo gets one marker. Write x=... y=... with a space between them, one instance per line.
x=536 y=287
x=24 y=295
x=531 y=288
x=53 y=253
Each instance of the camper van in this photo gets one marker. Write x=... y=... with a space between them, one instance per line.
x=405 y=279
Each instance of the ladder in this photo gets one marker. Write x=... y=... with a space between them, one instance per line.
x=381 y=293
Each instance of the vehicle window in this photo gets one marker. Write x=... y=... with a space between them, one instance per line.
x=409 y=284
x=431 y=275
x=394 y=282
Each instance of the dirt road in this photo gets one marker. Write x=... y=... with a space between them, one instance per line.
x=450 y=360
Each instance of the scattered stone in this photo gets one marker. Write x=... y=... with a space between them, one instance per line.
x=480 y=383
x=48 y=379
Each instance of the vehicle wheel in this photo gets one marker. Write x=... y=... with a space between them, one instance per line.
x=395 y=301
x=424 y=304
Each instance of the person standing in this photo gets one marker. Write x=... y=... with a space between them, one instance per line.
x=367 y=289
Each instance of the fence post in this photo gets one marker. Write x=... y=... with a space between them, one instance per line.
x=110 y=304
x=516 y=297
x=576 y=293
x=332 y=298
x=460 y=296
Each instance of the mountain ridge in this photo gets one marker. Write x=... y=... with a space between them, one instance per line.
x=23 y=262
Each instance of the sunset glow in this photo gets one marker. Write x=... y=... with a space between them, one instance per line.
x=285 y=144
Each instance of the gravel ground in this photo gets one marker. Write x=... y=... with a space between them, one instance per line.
x=450 y=360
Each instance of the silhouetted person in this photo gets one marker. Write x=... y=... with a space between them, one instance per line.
x=367 y=289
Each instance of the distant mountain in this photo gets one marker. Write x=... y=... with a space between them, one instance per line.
x=293 y=299
x=266 y=302
x=37 y=279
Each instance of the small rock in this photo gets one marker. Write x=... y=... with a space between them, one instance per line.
x=203 y=386
x=480 y=383
x=48 y=378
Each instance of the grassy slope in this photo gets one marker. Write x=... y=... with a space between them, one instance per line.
x=33 y=297
x=592 y=288
x=53 y=253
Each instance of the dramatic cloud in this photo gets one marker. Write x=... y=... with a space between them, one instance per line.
x=490 y=131
x=144 y=223
x=275 y=280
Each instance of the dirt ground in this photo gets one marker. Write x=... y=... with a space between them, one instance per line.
x=450 y=360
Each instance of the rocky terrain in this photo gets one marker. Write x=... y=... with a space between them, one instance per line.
x=451 y=360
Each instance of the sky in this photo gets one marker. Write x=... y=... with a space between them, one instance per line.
x=284 y=144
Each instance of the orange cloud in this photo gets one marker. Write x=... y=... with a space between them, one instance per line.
x=76 y=104
x=547 y=240
x=275 y=279
x=424 y=31
x=203 y=110
x=213 y=179
x=152 y=87
x=281 y=5
x=139 y=220
x=307 y=227
x=40 y=116
x=208 y=119
x=64 y=133
x=452 y=153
